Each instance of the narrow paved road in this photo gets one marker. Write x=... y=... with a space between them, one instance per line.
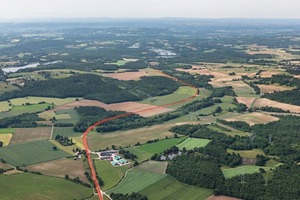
x=85 y=134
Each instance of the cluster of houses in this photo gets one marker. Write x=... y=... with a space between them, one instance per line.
x=112 y=156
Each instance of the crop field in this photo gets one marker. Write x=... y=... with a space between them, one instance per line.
x=191 y=143
x=30 y=153
x=160 y=146
x=262 y=102
x=273 y=88
x=170 y=188
x=61 y=167
x=135 y=181
x=246 y=100
x=247 y=153
x=109 y=174
x=30 y=134
x=247 y=169
x=125 y=138
x=253 y=118
x=36 y=100
x=5 y=138
x=7 y=130
x=182 y=92
x=152 y=166
x=31 y=186
x=126 y=76
x=72 y=113
x=141 y=155
x=64 y=131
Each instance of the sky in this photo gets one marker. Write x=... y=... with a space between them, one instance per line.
x=20 y=9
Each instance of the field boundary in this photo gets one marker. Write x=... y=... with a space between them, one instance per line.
x=85 y=134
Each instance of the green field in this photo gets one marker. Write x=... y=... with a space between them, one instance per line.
x=247 y=169
x=5 y=87
x=35 y=100
x=26 y=186
x=65 y=131
x=141 y=155
x=152 y=166
x=231 y=132
x=161 y=145
x=170 y=188
x=247 y=153
x=109 y=174
x=191 y=143
x=6 y=130
x=135 y=181
x=74 y=116
x=30 y=153
x=181 y=93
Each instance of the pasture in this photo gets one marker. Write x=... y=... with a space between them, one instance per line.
x=32 y=186
x=246 y=169
x=30 y=153
x=191 y=143
x=161 y=145
x=61 y=167
x=170 y=188
x=30 y=134
x=110 y=175
x=135 y=181
x=141 y=155
x=125 y=138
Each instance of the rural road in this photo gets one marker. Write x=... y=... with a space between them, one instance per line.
x=85 y=134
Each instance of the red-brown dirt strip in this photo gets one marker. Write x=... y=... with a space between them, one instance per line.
x=85 y=134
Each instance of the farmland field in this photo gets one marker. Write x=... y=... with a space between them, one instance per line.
x=170 y=188
x=67 y=149
x=191 y=143
x=6 y=130
x=126 y=76
x=247 y=153
x=36 y=100
x=160 y=146
x=135 y=181
x=30 y=153
x=152 y=166
x=130 y=137
x=247 y=169
x=30 y=134
x=109 y=174
x=64 y=131
x=31 y=186
x=267 y=102
x=141 y=155
x=5 y=138
x=61 y=167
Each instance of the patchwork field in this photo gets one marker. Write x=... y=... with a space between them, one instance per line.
x=30 y=153
x=135 y=181
x=253 y=118
x=60 y=168
x=126 y=76
x=239 y=87
x=30 y=134
x=262 y=102
x=170 y=188
x=191 y=143
x=32 y=186
x=130 y=137
x=110 y=175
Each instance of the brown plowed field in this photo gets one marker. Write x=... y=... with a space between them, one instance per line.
x=59 y=168
x=30 y=134
x=245 y=100
x=267 y=102
x=273 y=88
x=125 y=106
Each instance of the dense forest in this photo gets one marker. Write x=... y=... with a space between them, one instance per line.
x=25 y=120
x=96 y=88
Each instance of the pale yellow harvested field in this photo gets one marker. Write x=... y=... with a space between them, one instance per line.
x=273 y=88
x=245 y=100
x=253 y=118
x=267 y=102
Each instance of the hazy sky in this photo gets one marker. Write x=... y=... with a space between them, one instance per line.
x=150 y=8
